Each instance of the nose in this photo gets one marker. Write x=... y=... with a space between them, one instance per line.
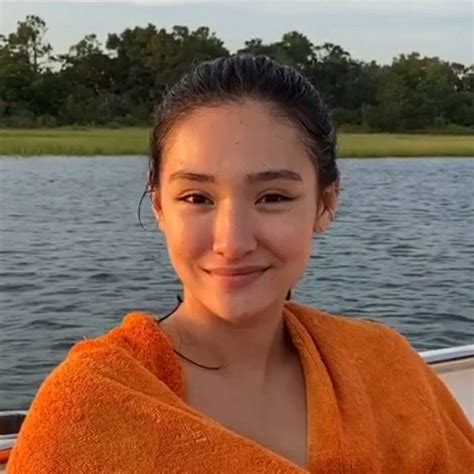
x=234 y=232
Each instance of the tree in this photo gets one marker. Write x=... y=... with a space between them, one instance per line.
x=431 y=92
x=123 y=81
x=148 y=61
x=293 y=49
x=256 y=46
x=16 y=77
x=87 y=64
x=88 y=73
x=28 y=40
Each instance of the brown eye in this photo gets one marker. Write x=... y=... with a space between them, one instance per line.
x=195 y=198
x=274 y=197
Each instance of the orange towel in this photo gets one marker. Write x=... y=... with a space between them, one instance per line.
x=117 y=405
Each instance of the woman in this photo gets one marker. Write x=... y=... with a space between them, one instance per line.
x=242 y=176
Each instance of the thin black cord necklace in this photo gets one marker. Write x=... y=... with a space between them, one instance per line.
x=180 y=300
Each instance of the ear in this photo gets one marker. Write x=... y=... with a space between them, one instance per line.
x=156 y=206
x=327 y=209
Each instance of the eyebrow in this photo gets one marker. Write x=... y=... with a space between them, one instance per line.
x=269 y=175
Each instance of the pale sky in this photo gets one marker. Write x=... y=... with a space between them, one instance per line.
x=368 y=29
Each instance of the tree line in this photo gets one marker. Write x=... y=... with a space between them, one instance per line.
x=118 y=83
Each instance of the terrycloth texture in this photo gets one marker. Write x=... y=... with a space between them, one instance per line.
x=117 y=405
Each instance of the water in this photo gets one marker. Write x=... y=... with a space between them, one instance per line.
x=74 y=261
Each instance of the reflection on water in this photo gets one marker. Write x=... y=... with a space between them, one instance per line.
x=73 y=259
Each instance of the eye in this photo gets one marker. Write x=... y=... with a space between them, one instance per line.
x=195 y=198
x=274 y=197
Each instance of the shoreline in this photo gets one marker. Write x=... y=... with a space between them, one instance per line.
x=134 y=141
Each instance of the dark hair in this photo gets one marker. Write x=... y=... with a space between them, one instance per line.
x=246 y=77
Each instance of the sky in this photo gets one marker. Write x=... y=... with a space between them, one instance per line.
x=367 y=29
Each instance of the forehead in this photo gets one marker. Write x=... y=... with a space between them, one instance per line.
x=235 y=139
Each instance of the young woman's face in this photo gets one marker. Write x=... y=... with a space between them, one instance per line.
x=237 y=204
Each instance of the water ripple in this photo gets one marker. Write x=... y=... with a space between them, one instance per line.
x=72 y=263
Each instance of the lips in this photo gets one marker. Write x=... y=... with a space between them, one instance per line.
x=228 y=279
x=229 y=271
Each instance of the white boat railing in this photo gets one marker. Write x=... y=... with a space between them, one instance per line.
x=448 y=354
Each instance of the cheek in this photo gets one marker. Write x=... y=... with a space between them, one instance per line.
x=291 y=239
x=187 y=239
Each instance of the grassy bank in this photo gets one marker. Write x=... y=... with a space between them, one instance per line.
x=134 y=141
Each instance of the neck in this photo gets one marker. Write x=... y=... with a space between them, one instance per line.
x=256 y=346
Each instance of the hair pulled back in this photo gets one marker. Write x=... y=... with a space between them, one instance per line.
x=241 y=77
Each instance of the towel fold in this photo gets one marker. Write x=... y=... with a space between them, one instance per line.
x=117 y=404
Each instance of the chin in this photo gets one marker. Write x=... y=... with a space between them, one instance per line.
x=240 y=308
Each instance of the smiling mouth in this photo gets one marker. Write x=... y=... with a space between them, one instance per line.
x=233 y=279
x=230 y=272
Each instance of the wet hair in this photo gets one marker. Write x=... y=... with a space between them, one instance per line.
x=234 y=80
x=239 y=78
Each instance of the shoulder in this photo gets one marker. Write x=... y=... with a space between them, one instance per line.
x=132 y=354
x=337 y=329
x=137 y=347
x=375 y=351
x=376 y=365
x=84 y=397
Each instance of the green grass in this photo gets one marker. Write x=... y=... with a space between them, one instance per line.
x=63 y=141
x=134 y=141
x=406 y=145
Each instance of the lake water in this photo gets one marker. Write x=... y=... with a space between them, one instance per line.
x=73 y=259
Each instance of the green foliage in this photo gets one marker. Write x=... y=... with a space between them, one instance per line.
x=119 y=83
x=28 y=41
